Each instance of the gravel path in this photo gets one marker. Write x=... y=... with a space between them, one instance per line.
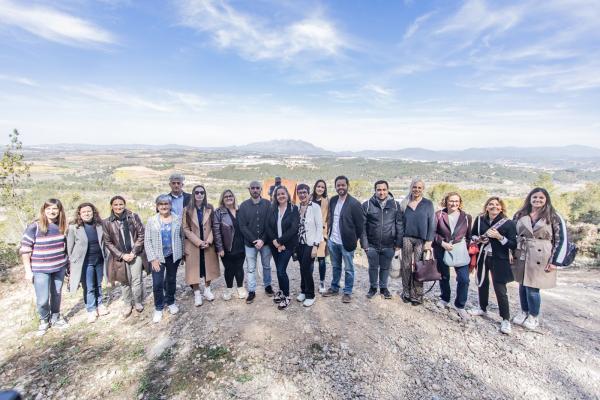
x=369 y=349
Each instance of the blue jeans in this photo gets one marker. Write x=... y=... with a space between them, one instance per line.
x=91 y=282
x=322 y=268
x=48 y=291
x=531 y=300
x=281 y=262
x=164 y=287
x=265 y=259
x=337 y=253
x=379 y=266
x=462 y=283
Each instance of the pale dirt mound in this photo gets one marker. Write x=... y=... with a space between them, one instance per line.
x=377 y=349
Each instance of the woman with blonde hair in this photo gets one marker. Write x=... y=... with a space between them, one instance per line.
x=45 y=262
x=496 y=236
x=230 y=244
x=418 y=218
x=452 y=235
x=201 y=260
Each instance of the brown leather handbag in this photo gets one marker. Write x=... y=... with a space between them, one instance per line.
x=426 y=270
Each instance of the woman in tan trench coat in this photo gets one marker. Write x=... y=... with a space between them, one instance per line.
x=319 y=196
x=201 y=260
x=541 y=244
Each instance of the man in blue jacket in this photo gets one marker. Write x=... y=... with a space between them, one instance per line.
x=345 y=226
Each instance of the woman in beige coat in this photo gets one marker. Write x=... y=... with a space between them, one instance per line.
x=319 y=196
x=541 y=245
x=201 y=260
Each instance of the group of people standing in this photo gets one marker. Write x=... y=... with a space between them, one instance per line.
x=187 y=230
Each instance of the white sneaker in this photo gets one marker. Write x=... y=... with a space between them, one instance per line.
x=531 y=323
x=520 y=318
x=301 y=297
x=322 y=287
x=478 y=312
x=157 y=317
x=197 y=298
x=43 y=328
x=462 y=313
x=505 y=327
x=442 y=304
x=227 y=294
x=173 y=309
x=91 y=317
x=308 y=302
x=208 y=294
x=242 y=293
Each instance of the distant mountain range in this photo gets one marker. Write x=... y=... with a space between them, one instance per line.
x=557 y=156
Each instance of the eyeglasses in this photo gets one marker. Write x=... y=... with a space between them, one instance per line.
x=199 y=192
x=164 y=204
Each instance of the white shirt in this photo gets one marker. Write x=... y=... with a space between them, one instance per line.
x=279 y=218
x=336 y=237
x=453 y=220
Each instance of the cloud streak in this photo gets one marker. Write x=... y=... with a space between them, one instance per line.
x=255 y=39
x=53 y=25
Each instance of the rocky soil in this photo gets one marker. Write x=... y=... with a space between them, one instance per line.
x=369 y=349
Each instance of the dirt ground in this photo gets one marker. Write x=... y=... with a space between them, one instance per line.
x=369 y=349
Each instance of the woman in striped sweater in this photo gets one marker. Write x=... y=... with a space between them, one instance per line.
x=45 y=261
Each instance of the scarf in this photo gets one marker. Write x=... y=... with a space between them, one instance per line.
x=125 y=238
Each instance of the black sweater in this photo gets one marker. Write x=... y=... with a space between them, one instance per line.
x=289 y=227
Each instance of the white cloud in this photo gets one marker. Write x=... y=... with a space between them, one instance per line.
x=18 y=79
x=414 y=27
x=255 y=39
x=119 y=97
x=52 y=24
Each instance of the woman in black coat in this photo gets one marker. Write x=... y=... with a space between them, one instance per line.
x=496 y=236
x=282 y=225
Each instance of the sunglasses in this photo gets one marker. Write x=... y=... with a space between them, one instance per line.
x=228 y=196
x=199 y=192
x=164 y=204
x=254 y=187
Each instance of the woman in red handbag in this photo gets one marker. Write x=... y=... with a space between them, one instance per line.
x=497 y=236
x=452 y=233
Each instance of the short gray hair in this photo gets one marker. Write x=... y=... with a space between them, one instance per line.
x=164 y=198
x=176 y=177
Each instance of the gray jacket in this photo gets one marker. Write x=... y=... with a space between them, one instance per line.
x=77 y=244
x=153 y=241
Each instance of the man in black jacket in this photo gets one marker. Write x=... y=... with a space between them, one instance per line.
x=252 y=217
x=381 y=237
x=345 y=226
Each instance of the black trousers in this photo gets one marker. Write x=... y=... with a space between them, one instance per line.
x=499 y=288
x=307 y=284
x=234 y=268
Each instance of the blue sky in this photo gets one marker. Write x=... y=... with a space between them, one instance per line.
x=344 y=74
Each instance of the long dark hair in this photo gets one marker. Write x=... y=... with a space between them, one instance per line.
x=547 y=212
x=314 y=192
x=61 y=219
x=190 y=209
x=96 y=219
x=112 y=200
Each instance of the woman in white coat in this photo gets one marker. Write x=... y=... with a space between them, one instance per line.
x=310 y=234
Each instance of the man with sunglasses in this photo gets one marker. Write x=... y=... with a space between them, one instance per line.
x=179 y=198
x=252 y=216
